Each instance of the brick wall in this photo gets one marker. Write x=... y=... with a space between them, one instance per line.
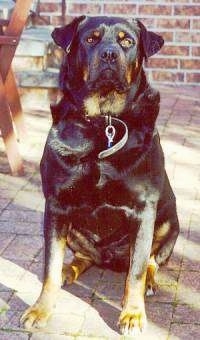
x=178 y=21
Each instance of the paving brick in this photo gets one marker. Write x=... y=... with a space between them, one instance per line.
x=26 y=228
x=83 y=291
x=159 y=316
x=184 y=332
x=186 y=314
x=108 y=311
x=43 y=336
x=23 y=246
x=110 y=290
x=188 y=288
x=95 y=324
x=9 y=335
x=5 y=239
x=3 y=203
x=21 y=216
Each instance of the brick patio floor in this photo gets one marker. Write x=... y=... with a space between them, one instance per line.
x=89 y=308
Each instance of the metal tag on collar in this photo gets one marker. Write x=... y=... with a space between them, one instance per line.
x=110 y=132
x=68 y=48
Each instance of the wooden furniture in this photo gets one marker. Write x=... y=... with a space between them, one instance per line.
x=11 y=116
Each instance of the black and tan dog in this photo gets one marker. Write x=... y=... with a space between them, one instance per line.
x=107 y=194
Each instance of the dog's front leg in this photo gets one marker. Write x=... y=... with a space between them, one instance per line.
x=37 y=315
x=133 y=316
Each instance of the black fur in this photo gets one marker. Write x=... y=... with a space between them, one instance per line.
x=108 y=201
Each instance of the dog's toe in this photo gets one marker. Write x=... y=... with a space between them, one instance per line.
x=132 y=321
x=35 y=317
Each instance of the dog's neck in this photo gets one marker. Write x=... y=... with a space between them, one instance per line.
x=93 y=104
x=114 y=103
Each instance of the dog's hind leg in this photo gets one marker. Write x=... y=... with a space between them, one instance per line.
x=72 y=271
x=151 y=285
x=167 y=247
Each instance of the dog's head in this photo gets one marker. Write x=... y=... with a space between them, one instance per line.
x=104 y=55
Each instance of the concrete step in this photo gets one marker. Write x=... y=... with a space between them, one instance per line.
x=35 y=42
x=38 y=88
x=36 y=62
x=36 y=50
x=38 y=79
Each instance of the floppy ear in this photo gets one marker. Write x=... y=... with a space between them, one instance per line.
x=63 y=36
x=151 y=42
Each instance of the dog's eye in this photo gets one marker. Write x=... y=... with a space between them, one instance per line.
x=90 y=40
x=94 y=37
x=126 y=42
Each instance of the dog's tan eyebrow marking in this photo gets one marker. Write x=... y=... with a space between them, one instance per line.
x=121 y=35
x=96 y=34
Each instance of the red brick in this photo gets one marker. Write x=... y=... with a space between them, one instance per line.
x=148 y=22
x=167 y=36
x=168 y=76
x=193 y=78
x=196 y=51
x=187 y=37
x=186 y=10
x=162 y=63
x=69 y=19
x=190 y=64
x=57 y=20
x=84 y=8
x=49 y=7
x=175 y=50
x=181 y=1
x=155 y=9
x=196 y=24
x=119 y=9
x=43 y=20
x=173 y=23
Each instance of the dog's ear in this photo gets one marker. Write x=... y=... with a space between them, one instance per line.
x=151 y=42
x=63 y=36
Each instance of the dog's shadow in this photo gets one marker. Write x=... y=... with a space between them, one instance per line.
x=103 y=290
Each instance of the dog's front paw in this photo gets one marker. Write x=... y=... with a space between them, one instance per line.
x=132 y=320
x=36 y=316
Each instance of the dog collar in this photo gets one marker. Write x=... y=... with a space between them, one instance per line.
x=110 y=133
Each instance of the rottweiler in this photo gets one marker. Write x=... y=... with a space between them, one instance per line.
x=108 y=197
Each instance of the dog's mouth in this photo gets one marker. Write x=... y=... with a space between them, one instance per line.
x=107 y=81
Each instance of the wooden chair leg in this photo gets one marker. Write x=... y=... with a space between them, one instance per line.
x=15 y=105
x=8 y=134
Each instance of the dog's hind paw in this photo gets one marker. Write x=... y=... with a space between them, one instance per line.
x=151 y=285
x=151 y=289
x=69 y=274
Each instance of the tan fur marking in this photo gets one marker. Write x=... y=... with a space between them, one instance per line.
x=85 y=74
x=129 y=75
x=121 y=35
x=96 y=34
x=114 y=103
x=71 y=272
x=151 y=285
x=92 y=105
x=162 y=231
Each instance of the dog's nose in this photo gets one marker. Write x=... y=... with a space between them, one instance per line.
x=109 y=55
